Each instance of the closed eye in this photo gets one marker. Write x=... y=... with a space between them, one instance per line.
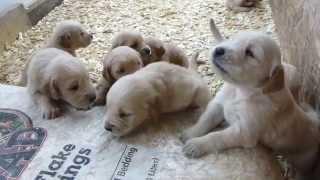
x=249 y=53
x=123 y=114
x=74 y=87
x=121 y=71
x=134 y=45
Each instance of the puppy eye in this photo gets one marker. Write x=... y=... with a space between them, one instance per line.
x=81 y=33
x=249 y=53
x=74 y=87
x=121 y=71
x=134 y=45
x=123 y=114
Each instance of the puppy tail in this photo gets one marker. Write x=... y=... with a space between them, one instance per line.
x=194 y=62
x=215 y=31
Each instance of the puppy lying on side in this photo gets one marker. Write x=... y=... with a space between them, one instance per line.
x=133 y=40
x=164 y=52
x=241 y=5
x=69 y=36
x=157 y=88
x=57 y=79
x=256 y=103
x=121 y=61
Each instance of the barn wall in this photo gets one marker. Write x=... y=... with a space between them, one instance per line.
x=298 y=27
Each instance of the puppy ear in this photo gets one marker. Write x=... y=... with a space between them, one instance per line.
x=65 y=40
x=160 y=51
x=276 y=80
x=54 y=89
x=106 y=73
x=51 y=88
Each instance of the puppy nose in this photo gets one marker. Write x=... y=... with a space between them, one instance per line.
x=219 y=51
x=146 y=51
x=91 y=97
x=91 y=36
x=108 y=127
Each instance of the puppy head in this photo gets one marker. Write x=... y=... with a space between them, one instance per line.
x=71 y=34
x=133 y=40
x=157 y=51
x=129 y=104
x=248 y=59
x=119 y=62
x=68 y=80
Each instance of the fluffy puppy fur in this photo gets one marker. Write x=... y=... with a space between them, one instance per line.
x=157 y=88
x=241 y=5
x=57 y=79
x=69 y=36
x=256 y=103
x=133 y=40
x=121 y=61
x=291 y=72
x=164 y=52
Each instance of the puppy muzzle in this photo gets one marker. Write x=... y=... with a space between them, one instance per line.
x=108 y=127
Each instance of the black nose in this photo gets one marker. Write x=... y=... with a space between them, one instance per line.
x=91 y=97
x=108 y=127
x=218 y=52
x=146 y=51
x=91 y=36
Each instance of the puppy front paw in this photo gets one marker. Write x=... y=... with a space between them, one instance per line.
x=185 y=136
x=51 y=112
x=193 y=148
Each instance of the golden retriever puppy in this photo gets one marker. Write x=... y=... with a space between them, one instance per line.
x=257 y=104
x=57 y=79
x=157 y=88
x=69 y=36
x=164 y=52
x=291 y=72
x=133 y=40
x=121 y=61
x=241 y=5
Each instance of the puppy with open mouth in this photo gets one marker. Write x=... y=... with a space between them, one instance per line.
x=258 y=106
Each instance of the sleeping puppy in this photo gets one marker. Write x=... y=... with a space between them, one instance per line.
x=241 y=5
x=69 y=36
x=133 y=40
x=57 y=79
x=164 y=52
x=257 y=104
x=121 y=61
x=157 y=88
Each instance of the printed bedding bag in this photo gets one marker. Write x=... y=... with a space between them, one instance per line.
x=76 y=147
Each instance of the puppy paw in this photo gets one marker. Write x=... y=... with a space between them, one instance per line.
x=51 y=112
x=193 y=148
x=188 y=134
x=184 y=136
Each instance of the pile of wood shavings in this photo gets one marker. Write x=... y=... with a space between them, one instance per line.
x=184 y=23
